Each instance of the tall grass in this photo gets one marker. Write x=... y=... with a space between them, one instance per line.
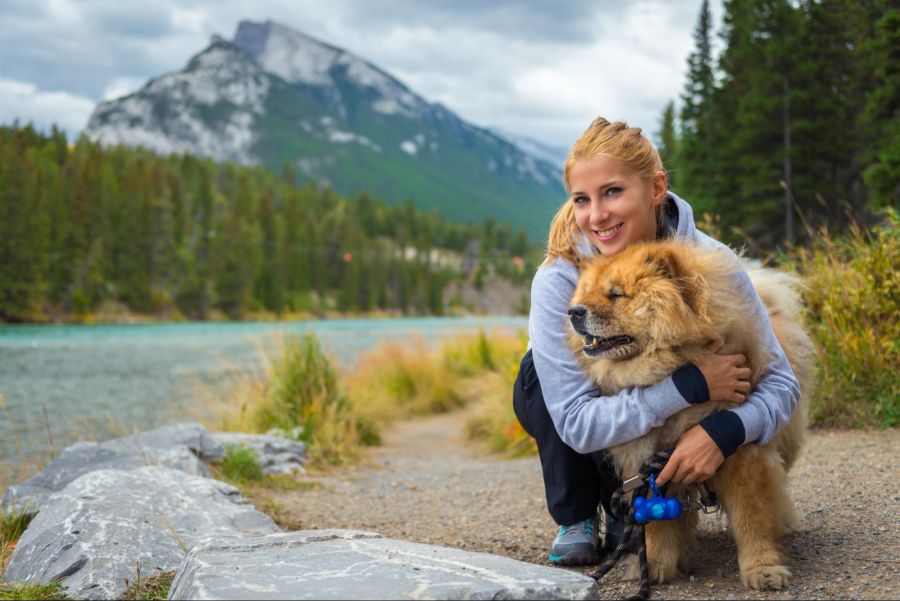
x=299 y=393
x=853 y=295
x=338 y=412
x=492 y=420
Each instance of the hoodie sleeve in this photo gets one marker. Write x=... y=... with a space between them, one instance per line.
x=585 y=420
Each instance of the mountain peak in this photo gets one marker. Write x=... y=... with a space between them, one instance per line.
x=302 y=59
x=286 y=52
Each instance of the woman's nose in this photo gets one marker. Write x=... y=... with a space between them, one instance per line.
x=599 y=214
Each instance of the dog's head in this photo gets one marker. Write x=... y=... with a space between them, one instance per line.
x=643 y=299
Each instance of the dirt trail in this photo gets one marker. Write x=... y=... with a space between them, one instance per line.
x=426 y=484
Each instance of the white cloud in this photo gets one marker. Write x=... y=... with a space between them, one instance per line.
x=23 y=101
x=537 y=69
x=122 y=86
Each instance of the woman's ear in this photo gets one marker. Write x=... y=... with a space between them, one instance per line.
x=660 y=187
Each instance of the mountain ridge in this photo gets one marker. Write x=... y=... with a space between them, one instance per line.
x=274 y=96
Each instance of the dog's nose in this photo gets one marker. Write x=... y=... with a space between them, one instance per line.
x=578 y=311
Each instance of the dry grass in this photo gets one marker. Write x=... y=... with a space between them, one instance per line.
x=853 y=295
x=338 y=412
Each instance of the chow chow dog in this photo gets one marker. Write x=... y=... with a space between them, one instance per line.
x=637 y=317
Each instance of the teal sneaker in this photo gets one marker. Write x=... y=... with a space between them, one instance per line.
x=576 y=544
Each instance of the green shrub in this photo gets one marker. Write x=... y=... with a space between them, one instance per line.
x=31 y=591
x=299 y=388
x=853 y=292
x=150 y=588
x=240 y=464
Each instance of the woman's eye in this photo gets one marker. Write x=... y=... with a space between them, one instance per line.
x=580 y=200
x=613 y=191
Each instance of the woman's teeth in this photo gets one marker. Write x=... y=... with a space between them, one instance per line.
x=607 y=234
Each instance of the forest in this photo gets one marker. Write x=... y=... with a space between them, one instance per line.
x=183 y=237
x=793 y=124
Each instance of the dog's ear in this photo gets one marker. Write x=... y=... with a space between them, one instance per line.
x=669 y=263
x=695 y=292
x=665 y=262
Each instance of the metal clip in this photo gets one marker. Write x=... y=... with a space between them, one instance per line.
x=633 y=483
x=708 y=501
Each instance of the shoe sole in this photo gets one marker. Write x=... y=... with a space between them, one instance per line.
x=575 y=558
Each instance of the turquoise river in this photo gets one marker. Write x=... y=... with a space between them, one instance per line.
x=62 y=383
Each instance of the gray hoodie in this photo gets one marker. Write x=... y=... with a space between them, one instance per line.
x=587 y=422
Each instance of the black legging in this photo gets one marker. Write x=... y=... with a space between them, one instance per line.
x=575 y=484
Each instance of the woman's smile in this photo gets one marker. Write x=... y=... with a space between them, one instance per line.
x=609 y=233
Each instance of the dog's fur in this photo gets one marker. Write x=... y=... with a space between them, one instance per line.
x=674 y=298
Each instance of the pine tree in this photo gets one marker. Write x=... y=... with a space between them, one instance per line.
x=19 y=286
x=697 y=144
x=881 y=118
x=668 y=143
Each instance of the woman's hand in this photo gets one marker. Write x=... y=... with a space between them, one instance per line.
x=726 y=377
x=695 y=459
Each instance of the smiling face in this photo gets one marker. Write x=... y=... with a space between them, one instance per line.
x=614 y=206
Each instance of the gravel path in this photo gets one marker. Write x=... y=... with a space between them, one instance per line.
x=427 y=485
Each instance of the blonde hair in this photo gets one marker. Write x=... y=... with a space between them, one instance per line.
x=617 y=141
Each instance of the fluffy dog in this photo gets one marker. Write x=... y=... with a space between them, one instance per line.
x=651 y=309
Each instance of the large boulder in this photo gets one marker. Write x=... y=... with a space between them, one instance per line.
x=178 y=446
x=345 y=564
x=276 y=454
x=192 y=436
x=91 y=536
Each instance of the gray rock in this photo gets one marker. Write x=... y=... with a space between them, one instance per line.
x=91 y=536
x=179 y=446
x=343 y=564
x=190 y=435
x=277 y=455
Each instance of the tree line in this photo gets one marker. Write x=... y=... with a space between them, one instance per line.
x=795 y=125
x=81 y=225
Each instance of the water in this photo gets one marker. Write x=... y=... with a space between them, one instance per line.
x=92 y=380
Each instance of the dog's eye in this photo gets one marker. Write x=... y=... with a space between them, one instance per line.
x=613 y=295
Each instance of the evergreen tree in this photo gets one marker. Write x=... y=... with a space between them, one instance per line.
x=881 y=118
x=697 y=139
x=668 y=143
x=19 y=286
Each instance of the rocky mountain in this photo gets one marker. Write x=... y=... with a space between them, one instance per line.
x=274 y=96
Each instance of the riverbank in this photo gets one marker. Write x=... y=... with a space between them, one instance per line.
x=494 y=297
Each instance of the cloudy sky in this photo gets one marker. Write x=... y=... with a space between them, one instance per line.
x=539 y=68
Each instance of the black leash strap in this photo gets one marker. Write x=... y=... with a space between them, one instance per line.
x=623 y=509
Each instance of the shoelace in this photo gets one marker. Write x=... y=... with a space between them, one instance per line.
x=587 y=527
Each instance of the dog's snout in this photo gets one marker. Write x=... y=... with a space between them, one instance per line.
x=578 y=311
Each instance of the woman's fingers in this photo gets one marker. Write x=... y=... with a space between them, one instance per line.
x=738 y=359
x=715 y=345
x=743 y=373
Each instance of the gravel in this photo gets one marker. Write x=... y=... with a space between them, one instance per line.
x=427 y=485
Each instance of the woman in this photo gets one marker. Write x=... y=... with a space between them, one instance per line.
x=618 y=196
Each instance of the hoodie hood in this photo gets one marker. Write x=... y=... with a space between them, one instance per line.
x=677 y=216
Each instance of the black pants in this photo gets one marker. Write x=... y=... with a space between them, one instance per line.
x=575 y=484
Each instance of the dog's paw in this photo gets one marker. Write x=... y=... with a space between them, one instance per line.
x=766 y=577
x=659 y=572
x=662 y=572
x=632 y=567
